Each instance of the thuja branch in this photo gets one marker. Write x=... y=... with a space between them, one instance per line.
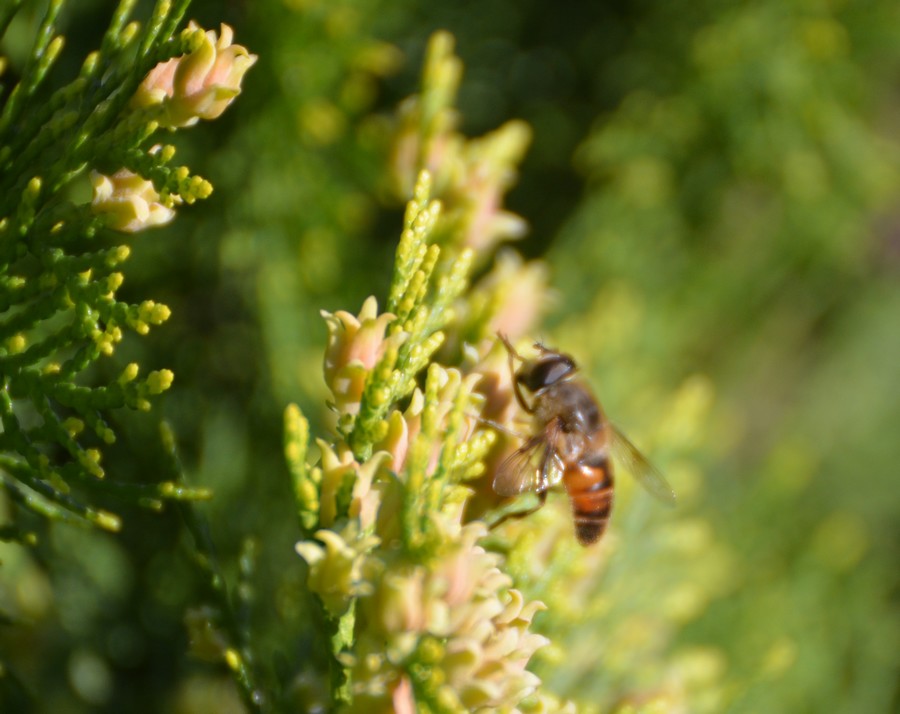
x=234 y=646
x=59 y=274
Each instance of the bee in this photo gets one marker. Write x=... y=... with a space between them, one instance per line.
x=573 y=442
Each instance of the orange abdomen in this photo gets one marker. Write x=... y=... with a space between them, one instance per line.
x=590 y=487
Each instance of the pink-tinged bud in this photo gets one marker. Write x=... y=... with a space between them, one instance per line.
x=481 y=199
x=469 y=630
x=402 y=697
x=199 y=85
x=129 y=201
x=441 y=155
x=396 y=442
x=355 y=344
x=403 y=429
x=496 y=385
x=521 y=295
x=337 y=468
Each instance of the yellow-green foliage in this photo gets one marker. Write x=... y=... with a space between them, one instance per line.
x=711 y=194
x=60 y=276
x=421 y=615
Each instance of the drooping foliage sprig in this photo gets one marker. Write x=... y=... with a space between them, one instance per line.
x=59 y=268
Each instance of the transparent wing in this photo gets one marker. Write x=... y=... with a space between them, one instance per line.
x=535 y=466
x=643 y=471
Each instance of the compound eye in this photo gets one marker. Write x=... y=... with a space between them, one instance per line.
x=546 y=372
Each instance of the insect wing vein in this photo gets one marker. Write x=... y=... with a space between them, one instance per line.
x=532 y=467
x=641 y=469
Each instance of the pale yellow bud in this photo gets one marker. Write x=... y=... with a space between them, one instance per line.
x=129 y=202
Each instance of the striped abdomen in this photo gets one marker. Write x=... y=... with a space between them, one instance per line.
x=590 y=486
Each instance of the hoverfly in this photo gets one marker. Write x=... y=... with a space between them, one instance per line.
x=572 y=443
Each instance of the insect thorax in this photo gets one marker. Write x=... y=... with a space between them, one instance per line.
x=573 y=404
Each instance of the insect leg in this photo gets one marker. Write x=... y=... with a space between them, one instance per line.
x=513 y=355
x=498 y=426
x=542 y=499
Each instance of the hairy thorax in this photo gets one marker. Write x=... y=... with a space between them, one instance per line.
x=577 y=411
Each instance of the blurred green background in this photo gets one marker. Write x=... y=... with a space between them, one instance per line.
x=715 y=188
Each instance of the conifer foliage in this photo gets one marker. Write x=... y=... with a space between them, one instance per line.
x=62 y=260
